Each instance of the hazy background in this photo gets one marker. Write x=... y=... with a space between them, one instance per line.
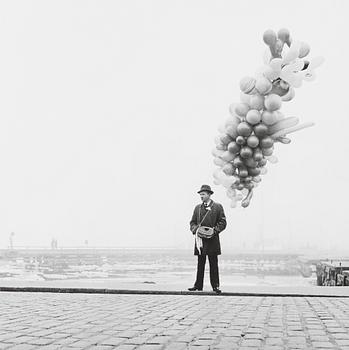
x=109 y=110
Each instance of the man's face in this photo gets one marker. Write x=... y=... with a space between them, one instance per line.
x=205 y=196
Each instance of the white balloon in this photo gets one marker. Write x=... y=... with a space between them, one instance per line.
x=217 y=152
x=244 y=191
x=272 y=159
x=239 y=197
x=218 y=174
x=291 y=129
x=227 y=156
x=219 y=161
x=231 y=193
x=264 y=171
x=275 y=64
x=228 y=181
x=233 y=203
x=292 y=53
x=244 y=98
x=216 y=182
x=283 y=124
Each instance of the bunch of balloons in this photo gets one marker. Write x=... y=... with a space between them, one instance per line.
x=247 y=138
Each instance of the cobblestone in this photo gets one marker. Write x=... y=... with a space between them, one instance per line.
x=173 y=322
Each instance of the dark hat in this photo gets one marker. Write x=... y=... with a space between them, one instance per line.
x=205 y=188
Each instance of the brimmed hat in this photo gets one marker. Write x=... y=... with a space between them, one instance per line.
x=205 y=188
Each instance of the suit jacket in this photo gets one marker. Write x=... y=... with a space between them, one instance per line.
x=216 y=219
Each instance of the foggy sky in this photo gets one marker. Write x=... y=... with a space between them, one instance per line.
x=109 y=110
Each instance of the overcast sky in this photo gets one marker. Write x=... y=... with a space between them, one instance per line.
x=109 y=110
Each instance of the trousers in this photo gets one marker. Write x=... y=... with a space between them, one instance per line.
x=214 y=273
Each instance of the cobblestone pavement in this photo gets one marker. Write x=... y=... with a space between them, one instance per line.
x=173 y=322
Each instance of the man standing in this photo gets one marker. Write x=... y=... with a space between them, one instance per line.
x=209 y=214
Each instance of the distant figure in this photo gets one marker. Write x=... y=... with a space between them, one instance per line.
x=53 y=243
x=210 y=215
x=11 y=240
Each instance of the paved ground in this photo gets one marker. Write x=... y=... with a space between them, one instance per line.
x=112 y=321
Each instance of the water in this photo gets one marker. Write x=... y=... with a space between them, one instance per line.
x=144 y=268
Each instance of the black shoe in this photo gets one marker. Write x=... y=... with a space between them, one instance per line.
x=193 y=289
x=217 y=290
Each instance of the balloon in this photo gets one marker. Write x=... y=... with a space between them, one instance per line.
x=232 y=120
x=272 y=159
x=292 y=53
x=216 y=182
x=216 y=152
x=254 y=171
x=244 y=98
x=257 y=179
x=231 y=131
x=244 y=129
x=279 y=115
x=276 y=64
x=284 y=36
x=283 y=139
x=240 y=140
x=304 y=50
x=228 y=181
x=246 y=141
x=233 y=147
x=245 y=203
x=253 y=117
x=264 y=171
x=309 y=74
x=292 y=129
x=262 y=162
x=237 y=162
x=267 y=151
x=219 y=161
x=239 y=195
x=228 y=169
x=260 y=130
x=269 y=37
x=240 y=187
x=247 y=84
x=249 y=185
x=291 y=73
x=232 y=110
x=241 y=109
x=272 y=102
x=269 y=118
x=266 y=142
x=222 y=147
x=231 y=193
x=289 y=96
x=246 y=152
x=243 y=173
x=252 y=141
x=283 y=124
x=258 y=155
x=227 y=156
x=270 y=73
x=263 y=85
x=226 y=139
x=218 y=174
x=256 y=102
x=233 y=203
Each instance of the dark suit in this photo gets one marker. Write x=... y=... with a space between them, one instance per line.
x=211 y=247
